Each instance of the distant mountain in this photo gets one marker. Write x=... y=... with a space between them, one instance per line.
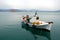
x=24 y=10
x=15 y=10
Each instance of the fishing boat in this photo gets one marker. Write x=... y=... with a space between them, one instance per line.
x=43 y=25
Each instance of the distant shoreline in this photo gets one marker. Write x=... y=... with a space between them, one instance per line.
x=18 y=10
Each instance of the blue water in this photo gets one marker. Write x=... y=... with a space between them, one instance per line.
x=11 y=28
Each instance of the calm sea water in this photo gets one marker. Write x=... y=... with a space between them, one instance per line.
x=11 y=28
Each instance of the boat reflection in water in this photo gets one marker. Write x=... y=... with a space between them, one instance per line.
x=36 y=31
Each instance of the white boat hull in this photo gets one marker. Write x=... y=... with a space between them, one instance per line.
x=42 y=26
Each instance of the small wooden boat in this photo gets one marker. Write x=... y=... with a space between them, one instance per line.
x=44 y=25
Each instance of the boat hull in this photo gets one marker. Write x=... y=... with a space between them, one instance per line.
x=46 y=26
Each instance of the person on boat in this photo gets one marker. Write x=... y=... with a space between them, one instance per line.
x=24 y=19
x=37 y=21
x=28 y=18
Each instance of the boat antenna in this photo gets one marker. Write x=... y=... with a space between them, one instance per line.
x=35 y=13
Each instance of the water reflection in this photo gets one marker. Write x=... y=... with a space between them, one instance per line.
x=35 y=32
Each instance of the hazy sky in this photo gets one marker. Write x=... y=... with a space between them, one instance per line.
x=30 y=4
